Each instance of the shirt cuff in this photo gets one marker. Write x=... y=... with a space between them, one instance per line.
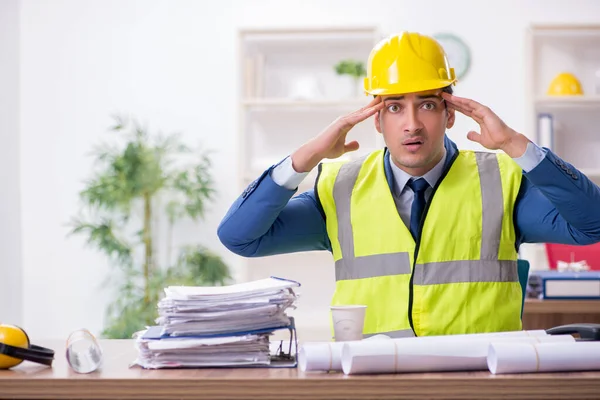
x=531 y=158
x=286 y=176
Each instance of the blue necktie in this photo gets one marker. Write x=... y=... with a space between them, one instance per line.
x=418 y=187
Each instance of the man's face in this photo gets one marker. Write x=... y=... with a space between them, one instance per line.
x=413 y=127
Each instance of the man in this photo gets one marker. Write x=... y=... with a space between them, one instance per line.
x=424 y=234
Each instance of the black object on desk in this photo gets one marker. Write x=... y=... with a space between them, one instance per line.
x=586 y=332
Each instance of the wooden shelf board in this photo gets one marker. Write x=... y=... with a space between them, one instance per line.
x=565 y=30
x=310 y=30
x=290 y=36
x=291 y=103
x=567 y=102
x=535 y=306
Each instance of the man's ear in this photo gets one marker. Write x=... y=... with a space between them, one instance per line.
x=377 y=125
x=451 y=118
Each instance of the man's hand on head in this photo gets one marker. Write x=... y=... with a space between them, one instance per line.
x=331 y=142
x=494 y=133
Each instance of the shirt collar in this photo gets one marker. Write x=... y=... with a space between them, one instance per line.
x=401 y=177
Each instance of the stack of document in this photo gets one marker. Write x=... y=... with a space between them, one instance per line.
x=192 y=311
x=217 y=326
x=209 y=352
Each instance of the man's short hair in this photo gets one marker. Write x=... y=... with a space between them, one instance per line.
x=448 y=89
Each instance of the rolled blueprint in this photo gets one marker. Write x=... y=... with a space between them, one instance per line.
x=511 y=358
x=429 y=354
x=326 y=356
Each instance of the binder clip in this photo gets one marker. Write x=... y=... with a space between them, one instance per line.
x=289 y=358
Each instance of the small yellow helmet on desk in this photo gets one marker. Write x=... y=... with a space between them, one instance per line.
x=15 y=347
x=407 y=63
x=565 y=84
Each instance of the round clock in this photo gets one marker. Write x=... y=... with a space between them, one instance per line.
x=459 y=55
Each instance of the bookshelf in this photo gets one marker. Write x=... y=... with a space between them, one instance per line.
x=566 y=124
x=289 y=92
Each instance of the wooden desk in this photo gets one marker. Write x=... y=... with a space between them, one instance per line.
x=544 y=314
x=117 y=381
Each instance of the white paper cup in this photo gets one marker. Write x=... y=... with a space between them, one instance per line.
x=348 y=322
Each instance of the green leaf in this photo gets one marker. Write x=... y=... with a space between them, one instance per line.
x=353 y=68
x=202 y=266
x=102 y=236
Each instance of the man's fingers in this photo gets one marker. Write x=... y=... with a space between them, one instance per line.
x=460 y=109
x=459 y=104
x=476 y=117
x=469 y=113
x=480 y=112
x=360 y=116
x=479 y=115
x=467 y=103
x=468 y=107
x=372 y=103
x=351 y=146
x=474 y=136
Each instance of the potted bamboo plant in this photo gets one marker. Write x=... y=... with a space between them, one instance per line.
x=141 y=189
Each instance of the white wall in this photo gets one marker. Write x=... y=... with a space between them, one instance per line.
x=173 y=64
x=11 y=284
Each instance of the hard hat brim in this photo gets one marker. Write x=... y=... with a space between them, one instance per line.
x=412 y=87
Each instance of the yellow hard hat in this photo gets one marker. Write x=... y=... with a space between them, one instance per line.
x=565 y=84
x=407 y=63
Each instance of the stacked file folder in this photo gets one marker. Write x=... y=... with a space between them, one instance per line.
x=219 y=326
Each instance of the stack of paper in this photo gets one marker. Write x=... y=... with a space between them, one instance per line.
x=192 y=311
x=217 y=326
x=210 y=352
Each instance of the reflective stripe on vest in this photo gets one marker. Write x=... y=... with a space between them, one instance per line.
x=465 y=271
x=351 y=267
x=372 y=266
x=491 y=198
